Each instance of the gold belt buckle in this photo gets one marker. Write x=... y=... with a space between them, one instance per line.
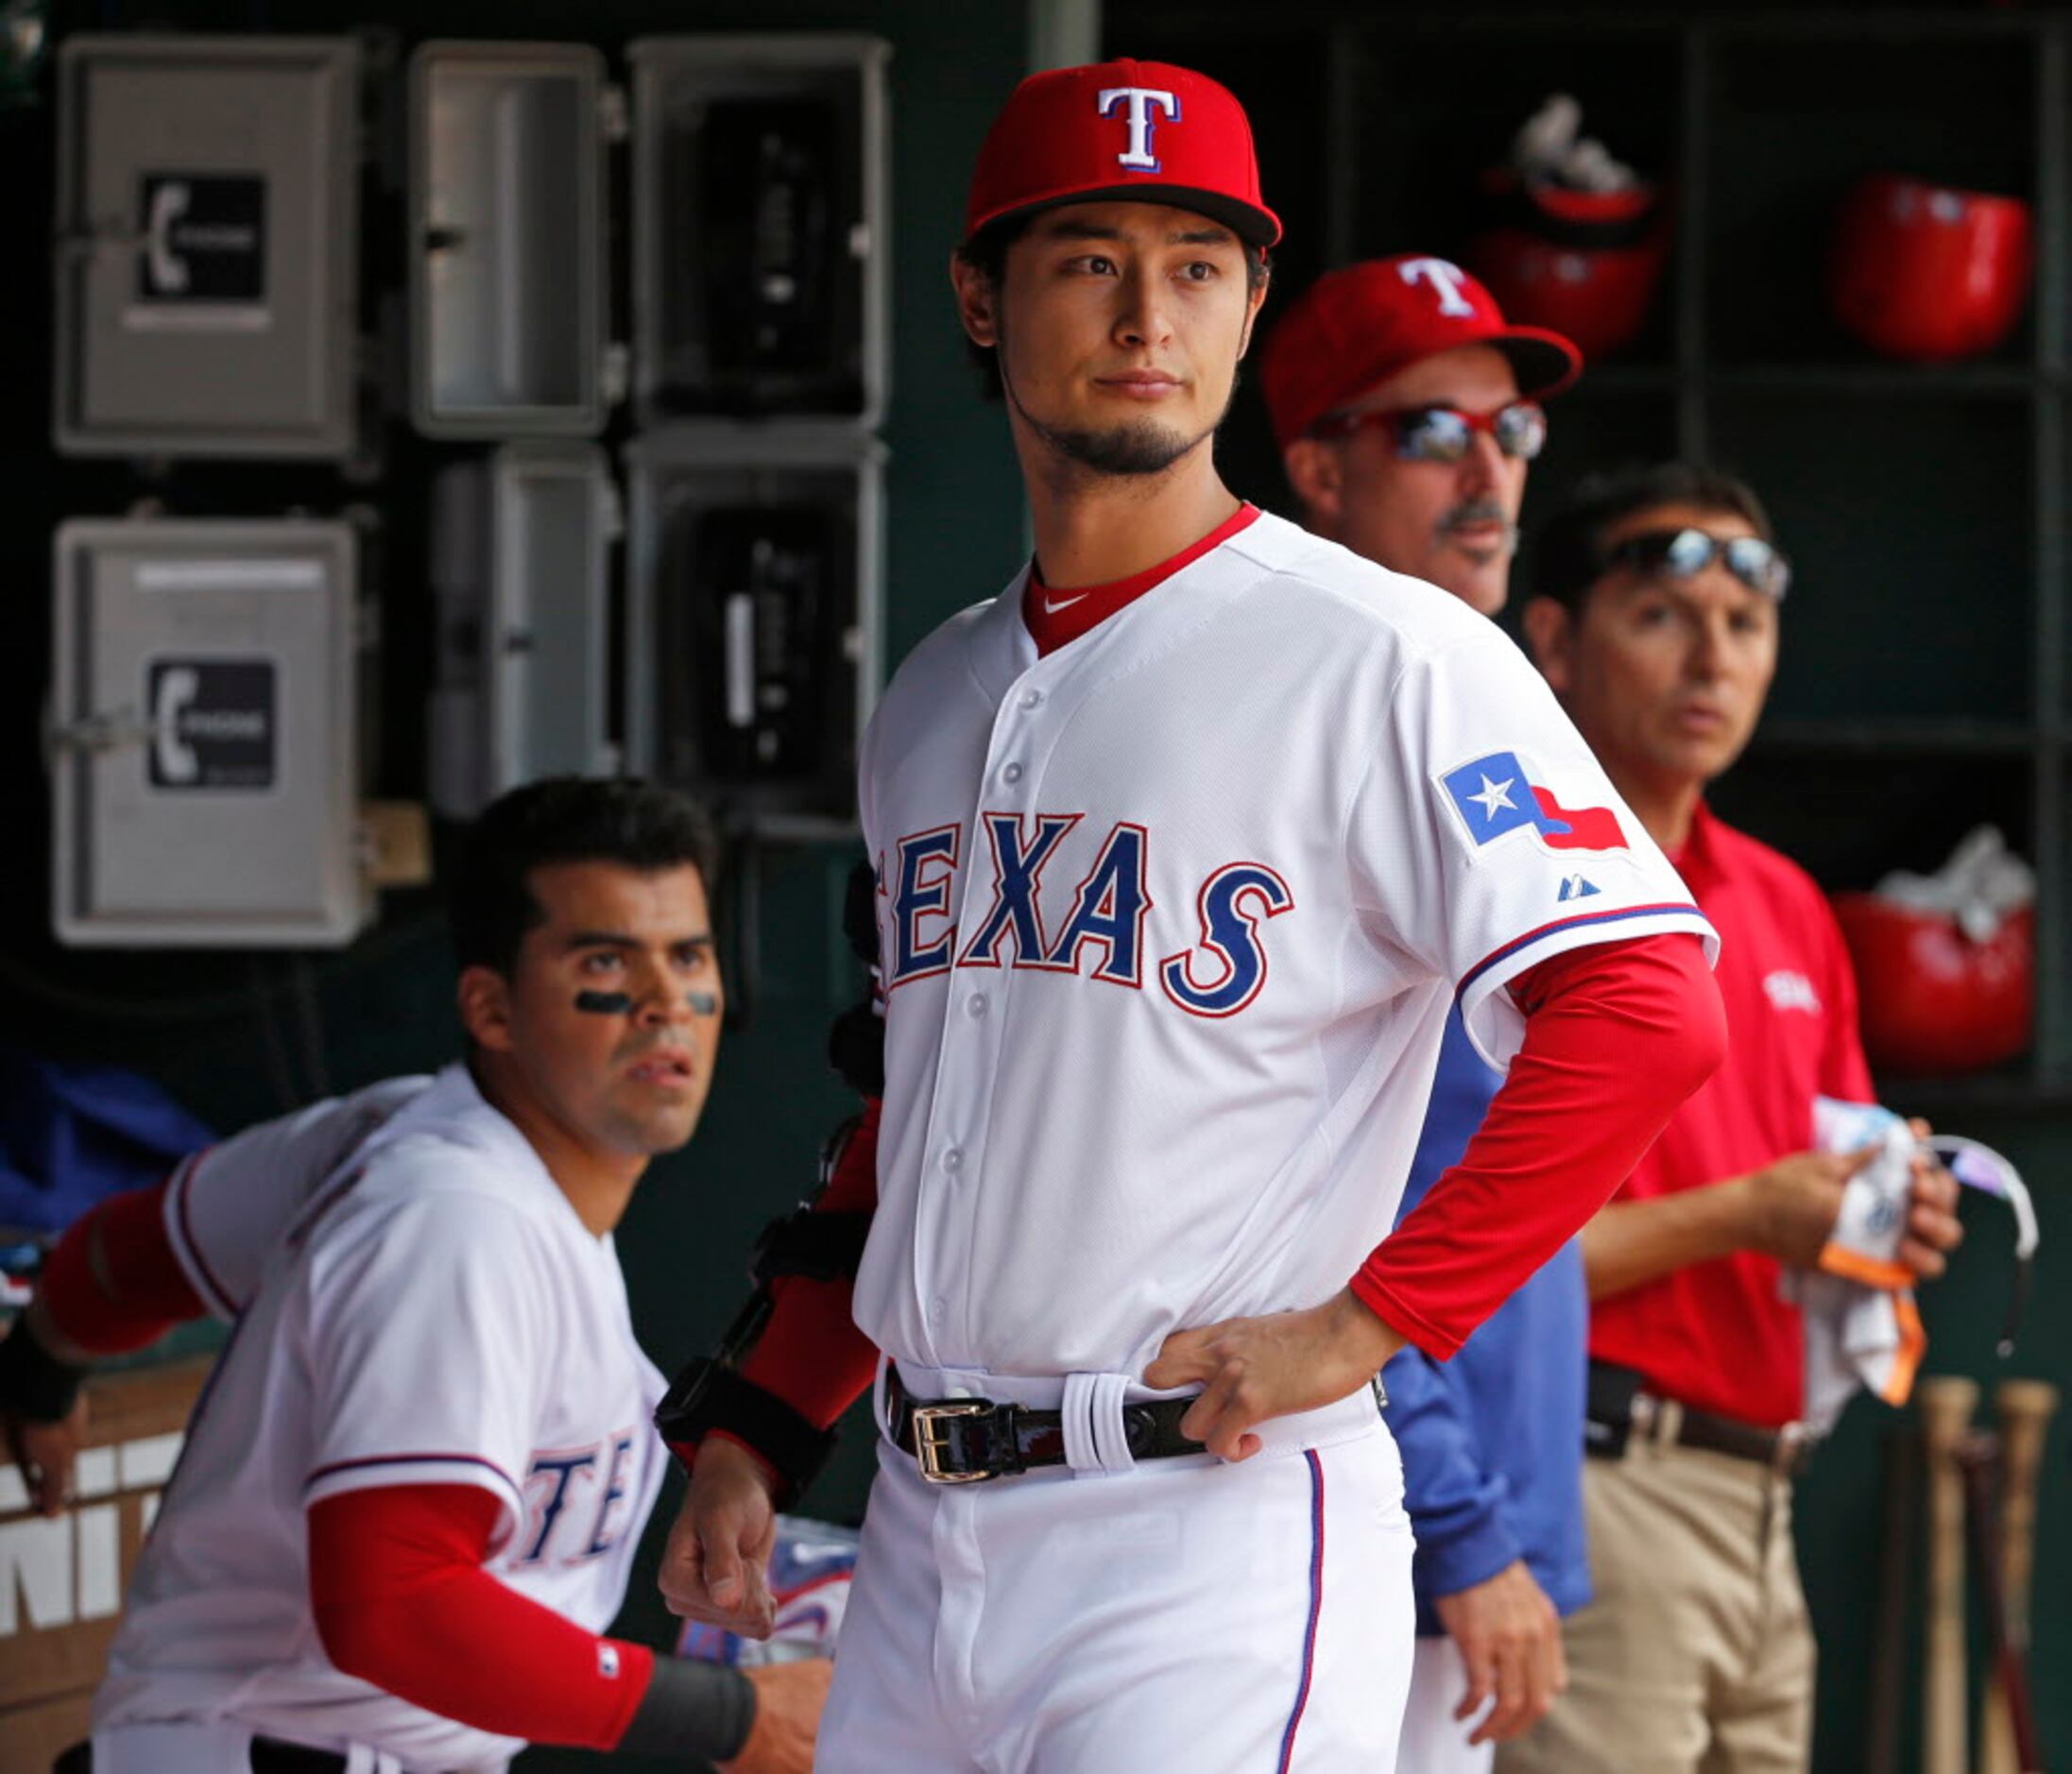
x=932 y=1441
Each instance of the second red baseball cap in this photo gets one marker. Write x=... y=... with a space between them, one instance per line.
x=1144 y=130
x=1354 y=328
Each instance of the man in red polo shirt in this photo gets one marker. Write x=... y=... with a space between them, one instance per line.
x=1655 y=621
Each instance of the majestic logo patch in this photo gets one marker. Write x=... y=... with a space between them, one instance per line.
x=1493 y=798
x=1575 y=887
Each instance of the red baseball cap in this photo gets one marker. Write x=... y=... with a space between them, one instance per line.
x=1144 y=130
x=1358 y=326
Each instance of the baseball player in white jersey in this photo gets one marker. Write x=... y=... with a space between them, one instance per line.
x=410 y=1495
x=1184 y=845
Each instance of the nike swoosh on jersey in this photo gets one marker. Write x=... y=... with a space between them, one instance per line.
x=1063 y=603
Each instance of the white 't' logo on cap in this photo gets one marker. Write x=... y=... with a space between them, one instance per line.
x=1446 y=278
x=1144 y=101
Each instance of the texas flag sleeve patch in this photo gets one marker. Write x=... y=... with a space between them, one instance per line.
x=1494 y=797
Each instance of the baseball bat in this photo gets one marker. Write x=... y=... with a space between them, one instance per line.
x=1978 y=1461
x=1946 y=1403
x=1889 y=1687
x=2025 y=1409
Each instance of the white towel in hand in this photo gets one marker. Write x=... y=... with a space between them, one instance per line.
x=1861 y=1325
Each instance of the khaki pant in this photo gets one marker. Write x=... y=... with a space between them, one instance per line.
x=1696 y=1656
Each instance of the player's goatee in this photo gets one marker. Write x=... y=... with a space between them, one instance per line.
x=1138 y=449
x=1141 y=446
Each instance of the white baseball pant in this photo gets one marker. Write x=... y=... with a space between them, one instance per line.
x=213 y=1747
x=1251 y=1618
x=1434 y=1742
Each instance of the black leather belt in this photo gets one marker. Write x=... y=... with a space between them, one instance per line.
x=968 y=1440
x=1621 y=1407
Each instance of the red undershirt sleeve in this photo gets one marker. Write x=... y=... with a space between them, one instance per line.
x=402 y=1600
x=114 y=1283
x=1617 y=1037
x=810 y=1353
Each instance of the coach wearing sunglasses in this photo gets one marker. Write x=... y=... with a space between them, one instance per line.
x=1407 y=411
x=1655 y=619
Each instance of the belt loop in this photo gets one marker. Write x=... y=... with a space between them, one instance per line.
x=1790 y=1450
x=1669 y=1422
x=1091 y=1414
x=1111 y=1438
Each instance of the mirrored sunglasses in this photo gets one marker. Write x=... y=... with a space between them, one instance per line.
x=1445 y=433
x=1683 y=553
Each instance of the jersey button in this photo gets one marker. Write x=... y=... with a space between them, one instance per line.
x=936 y=1308
x=1010 y=773
x=953 y=1158
x=1032 y=699
x=975 y=1004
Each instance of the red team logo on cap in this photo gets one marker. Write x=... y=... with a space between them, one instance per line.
x=1106 y=134
x=1145 y=105
x=1446 y=278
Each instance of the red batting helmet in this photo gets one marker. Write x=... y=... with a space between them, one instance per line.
x=1923 y=272
x=1584 y=263
x=1933 y=997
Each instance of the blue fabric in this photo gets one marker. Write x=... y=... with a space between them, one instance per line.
x=72 y=1136
x=1492 y=1439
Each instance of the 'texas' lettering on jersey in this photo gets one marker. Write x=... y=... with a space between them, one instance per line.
x=1103 y=936
x=576 y=1505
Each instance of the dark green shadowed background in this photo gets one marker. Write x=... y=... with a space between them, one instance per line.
x=1928 y=645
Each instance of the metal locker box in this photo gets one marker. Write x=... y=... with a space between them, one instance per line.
x=508 y=294
x=752 y=633
x=207 y=250
x=760 y=213
x=520 y=574
x=205 y=734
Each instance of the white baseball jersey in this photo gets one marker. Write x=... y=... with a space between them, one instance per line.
x=415 y=1300
x=1168 y=925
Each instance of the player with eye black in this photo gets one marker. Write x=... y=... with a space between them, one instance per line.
x=411 y=1495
